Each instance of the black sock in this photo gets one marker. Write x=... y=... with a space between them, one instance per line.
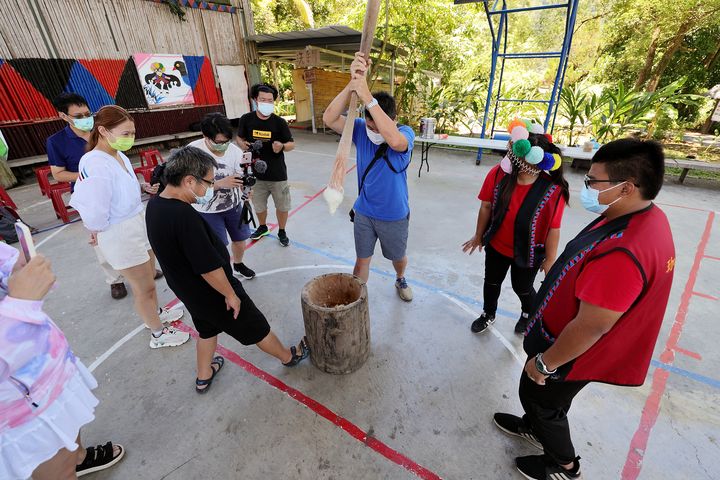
x=262 y=226
x=281 y=231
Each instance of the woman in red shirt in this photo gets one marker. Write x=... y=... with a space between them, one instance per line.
x=523 y=200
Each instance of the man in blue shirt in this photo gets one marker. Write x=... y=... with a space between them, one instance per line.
x=382 y=210
x=65 y=149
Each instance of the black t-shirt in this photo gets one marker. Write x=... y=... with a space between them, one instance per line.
x=186 y=248
x=275 y=128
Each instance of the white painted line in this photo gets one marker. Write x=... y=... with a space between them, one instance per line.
x=117 y=345
x=37 y=204
x=494 y=331
x=303 y=267
x=51 y=235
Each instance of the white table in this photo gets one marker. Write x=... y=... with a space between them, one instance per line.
x=490 y=144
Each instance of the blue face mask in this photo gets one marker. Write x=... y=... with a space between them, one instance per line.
x=84 y=124
x=209 y=193
x=590 y=199
x=266 y=109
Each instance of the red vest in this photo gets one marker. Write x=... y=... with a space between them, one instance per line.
x=533 y=220
x=622 y=356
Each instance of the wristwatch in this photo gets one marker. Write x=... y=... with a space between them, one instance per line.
x=541 y=367
x=371 y=104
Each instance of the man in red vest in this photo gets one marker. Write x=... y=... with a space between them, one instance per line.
x=599 y=311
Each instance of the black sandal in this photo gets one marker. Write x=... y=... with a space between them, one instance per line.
x=99 y=458
x=219 y=361
x=298 y=357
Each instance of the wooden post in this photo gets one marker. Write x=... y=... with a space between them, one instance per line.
x=337 y=322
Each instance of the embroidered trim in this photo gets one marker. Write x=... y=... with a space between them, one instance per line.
x=569 y=266
x=533 y=225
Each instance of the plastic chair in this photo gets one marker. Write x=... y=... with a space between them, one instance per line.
x=63 y=212
x=5 y=198
x=150 y=158
x=145 y=171
x=43 y=175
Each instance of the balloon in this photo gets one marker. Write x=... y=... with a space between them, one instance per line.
x=519 y=133
x=521 y=148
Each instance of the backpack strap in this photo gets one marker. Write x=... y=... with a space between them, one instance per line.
x=381 y=152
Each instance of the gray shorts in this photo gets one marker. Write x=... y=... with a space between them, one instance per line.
x=392 y=235
x=280 y=192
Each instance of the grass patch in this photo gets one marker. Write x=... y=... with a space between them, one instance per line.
x=675 y=172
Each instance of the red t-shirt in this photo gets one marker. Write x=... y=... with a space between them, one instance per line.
x=504 y=239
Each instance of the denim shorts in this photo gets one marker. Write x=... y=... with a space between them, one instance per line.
x=392 y=235
x=226 y=222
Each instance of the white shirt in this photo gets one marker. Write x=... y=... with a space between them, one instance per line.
x=224 y=199
x=105 y=193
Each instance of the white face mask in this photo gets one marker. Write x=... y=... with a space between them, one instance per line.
x=374 y=137
x=589 y=197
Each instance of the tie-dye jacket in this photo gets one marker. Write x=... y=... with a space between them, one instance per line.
x=35 y=359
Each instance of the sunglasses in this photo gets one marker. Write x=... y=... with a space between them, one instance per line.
x=80 y=116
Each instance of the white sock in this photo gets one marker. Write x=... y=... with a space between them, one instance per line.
x=158 y=333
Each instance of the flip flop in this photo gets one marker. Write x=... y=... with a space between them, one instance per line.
x=219 y=361
x=298 y=357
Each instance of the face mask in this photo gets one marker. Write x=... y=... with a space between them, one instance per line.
x=266 y=109
x=84 y=124
x=209 y=193
x=375 y=138
x=218 y=147
x=589 y=197
x=122 y=144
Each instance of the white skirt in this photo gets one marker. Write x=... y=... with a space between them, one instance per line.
x=125 y=244
x=25 y=447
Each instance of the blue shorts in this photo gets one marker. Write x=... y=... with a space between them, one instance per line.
x=226 y=222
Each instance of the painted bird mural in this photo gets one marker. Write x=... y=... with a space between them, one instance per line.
x=160 y=79
x=182 y=69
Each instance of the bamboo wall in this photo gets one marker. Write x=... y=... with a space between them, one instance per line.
x=117 y=29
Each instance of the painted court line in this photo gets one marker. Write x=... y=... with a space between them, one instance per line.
x=49 y=237
x=687 y=374
x=321 y=410
x=99 y=360
x=509 y=346
x=651 y=410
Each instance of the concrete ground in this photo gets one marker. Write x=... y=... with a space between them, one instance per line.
x=421 y=407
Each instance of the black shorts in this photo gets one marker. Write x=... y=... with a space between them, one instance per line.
x=248 y=328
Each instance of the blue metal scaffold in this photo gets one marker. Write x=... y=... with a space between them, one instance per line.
x=498 y=15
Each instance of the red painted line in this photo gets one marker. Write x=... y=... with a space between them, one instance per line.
x=712 y=258
x=309 y=198
x=706 y=296
x=344 y=424
x=683 y=206
x=688 y=353
x=651 y=410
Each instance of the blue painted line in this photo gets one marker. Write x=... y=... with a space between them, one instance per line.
x=687 y=374
x=471 y=301
x=384 y=273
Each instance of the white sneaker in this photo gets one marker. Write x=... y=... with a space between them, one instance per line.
x=169 y=338
x=169 y=316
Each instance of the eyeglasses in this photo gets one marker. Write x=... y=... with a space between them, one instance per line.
x=207 y=182
x=589 y=181
x=81 y=115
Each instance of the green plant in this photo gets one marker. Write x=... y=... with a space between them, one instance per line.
x=176 y=9
x=573 y=108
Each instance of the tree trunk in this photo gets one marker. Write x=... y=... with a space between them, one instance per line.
x=647 y=68
x=337 y=322
x=712 y=58
x=708 y=123
x=673 y=47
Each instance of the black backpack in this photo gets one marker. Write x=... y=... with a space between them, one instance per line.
x=8 y=217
